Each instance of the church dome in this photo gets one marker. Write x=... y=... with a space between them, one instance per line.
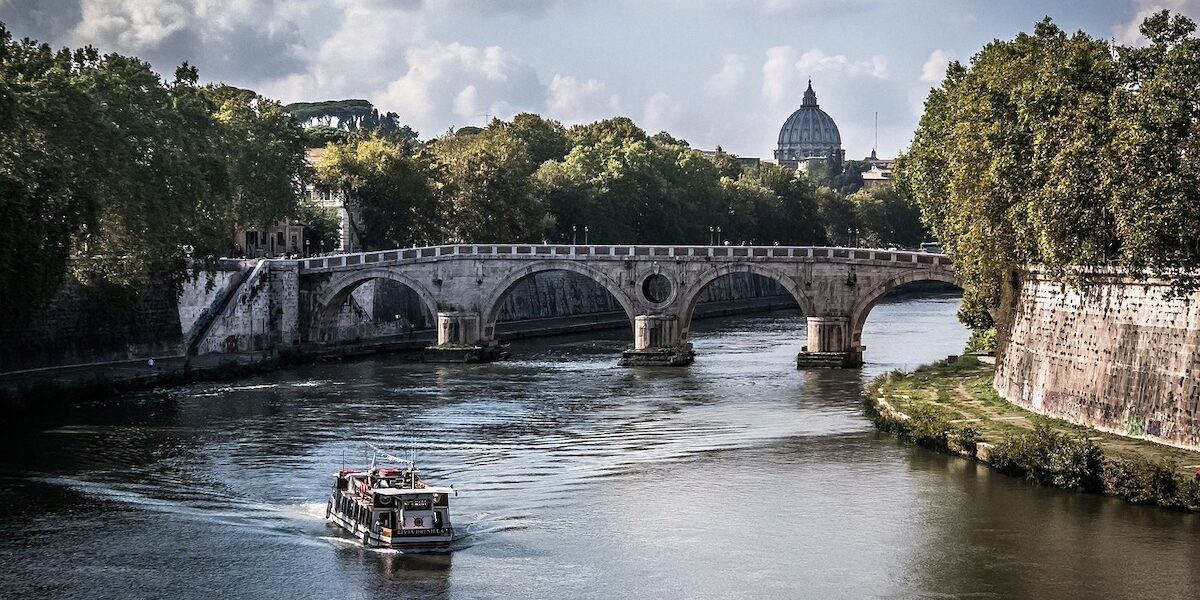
x=808 y=132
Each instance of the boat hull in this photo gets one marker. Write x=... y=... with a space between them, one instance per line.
x=420 y=540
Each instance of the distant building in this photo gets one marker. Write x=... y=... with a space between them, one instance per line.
x=280 y=238
x=880 y=173
x=810 y=134
x=744 y=161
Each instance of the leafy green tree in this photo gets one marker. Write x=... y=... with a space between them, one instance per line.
x=1152 y=169
x=797 y=219
x=1003 y=163
x=48 y=175
x=391 y=197
x=320 y=136
x=544 y=139
x=884 y=218
x=486 y=192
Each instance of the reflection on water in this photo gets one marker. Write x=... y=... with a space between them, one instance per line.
x=736 y=477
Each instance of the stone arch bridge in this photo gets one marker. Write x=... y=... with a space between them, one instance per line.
x=658 y=286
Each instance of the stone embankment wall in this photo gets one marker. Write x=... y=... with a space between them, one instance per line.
x=1118 y=355
x=87 y=324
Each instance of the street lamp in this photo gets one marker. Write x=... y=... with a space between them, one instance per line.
x=307 y=242
x=710 y=235
x=572 y=235
x=718 y=236
x=585 y=235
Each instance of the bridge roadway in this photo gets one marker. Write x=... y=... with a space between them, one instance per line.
x=658 y=286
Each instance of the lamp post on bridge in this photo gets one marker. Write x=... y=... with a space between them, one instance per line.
x=572 y=235
x=585 y=235
x=710 y=235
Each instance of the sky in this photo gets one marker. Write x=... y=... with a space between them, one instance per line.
x=713 y=72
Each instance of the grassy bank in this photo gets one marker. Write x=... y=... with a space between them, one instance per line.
x=951 y=407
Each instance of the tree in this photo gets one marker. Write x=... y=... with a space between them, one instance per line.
x=1004 y=161
x=884 y=218
x=544 y=139
x=390 y=195
x=1151 y=166
x=486 y=193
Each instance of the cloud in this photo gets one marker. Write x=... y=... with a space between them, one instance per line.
x=727 y=80
x=934 y=69
x=661 y=113
x=460 y=84
x=242 y=40
x=573 y=101
x=784 y=70
x=1128 y=33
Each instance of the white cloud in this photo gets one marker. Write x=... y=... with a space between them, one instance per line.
x=661 y=113
x=459 y=84
x=727 y=80
x=934 y=69
x=213 y=34
x=1128 y=33
x=784 y=70
x=573 y=101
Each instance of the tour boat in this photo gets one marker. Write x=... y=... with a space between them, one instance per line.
x=388 y=507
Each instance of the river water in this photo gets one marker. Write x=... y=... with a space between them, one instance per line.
x=738 y=477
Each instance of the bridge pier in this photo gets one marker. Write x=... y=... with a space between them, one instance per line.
x=459 y=340
x=657 y=342
x=830 y=345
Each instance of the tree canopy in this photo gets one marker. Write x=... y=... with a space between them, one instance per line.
x=1061 y=151
x=107 y=170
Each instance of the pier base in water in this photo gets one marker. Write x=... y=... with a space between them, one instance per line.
x=675 y=356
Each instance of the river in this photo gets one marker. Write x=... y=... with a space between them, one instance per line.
x=737 y=477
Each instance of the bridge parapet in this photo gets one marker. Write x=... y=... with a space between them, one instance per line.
x=616 y=252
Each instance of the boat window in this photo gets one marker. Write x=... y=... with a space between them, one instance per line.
x=385 y=520
x=437 y=519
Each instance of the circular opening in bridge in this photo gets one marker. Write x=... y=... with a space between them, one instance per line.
x=656 y=288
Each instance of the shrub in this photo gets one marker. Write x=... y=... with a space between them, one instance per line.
x=1145 y=481
x=1051 y=458
x=929 y=427
x=982 y=341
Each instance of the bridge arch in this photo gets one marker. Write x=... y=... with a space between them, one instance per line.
x=492 y=305
x=692 y=295
x=871 y=297
x=336 y=291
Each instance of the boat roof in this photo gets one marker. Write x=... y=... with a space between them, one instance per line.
x=412 y=491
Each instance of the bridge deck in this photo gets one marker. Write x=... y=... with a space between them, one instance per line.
x=617 y=252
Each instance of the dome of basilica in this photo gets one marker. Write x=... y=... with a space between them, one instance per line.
x=808 y=133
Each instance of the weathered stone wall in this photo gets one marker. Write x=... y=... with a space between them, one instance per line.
x=1117 y=355
x=87 y=324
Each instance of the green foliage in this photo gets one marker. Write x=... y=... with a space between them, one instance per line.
x=982 y=341
x=884 y=218
x=104 y=160
x=1050 y=150
x=1052 y=458
x=485 y=190
x=350 y=116
x=320 y=136
x=1145 y=481
x=322 y=227
x=390 y=196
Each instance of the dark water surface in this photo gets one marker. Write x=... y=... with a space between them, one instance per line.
x=738 y=477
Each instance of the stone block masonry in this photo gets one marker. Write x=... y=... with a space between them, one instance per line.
x=1119 y=355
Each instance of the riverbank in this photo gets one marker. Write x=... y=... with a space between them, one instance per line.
x=951 y=407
